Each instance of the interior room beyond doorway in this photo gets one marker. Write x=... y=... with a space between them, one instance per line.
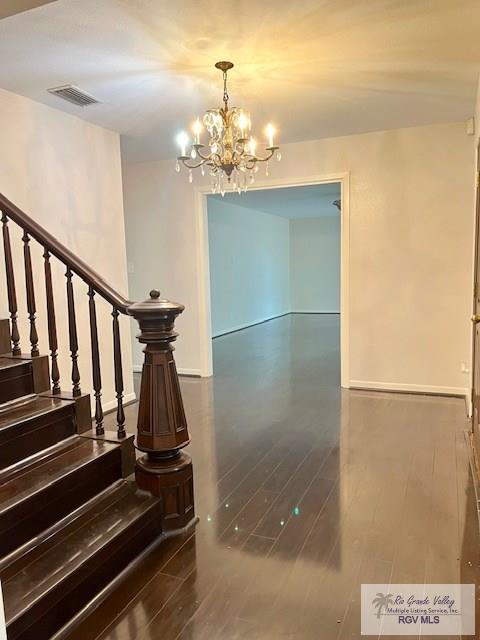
x=273 y=252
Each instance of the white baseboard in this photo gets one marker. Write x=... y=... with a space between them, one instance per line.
x=250 y=324
x=189 y=372
x=108 y=406
x=137 y=368
x=325 y=311
x=412 y=388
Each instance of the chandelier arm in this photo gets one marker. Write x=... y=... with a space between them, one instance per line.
x=191 y=166
x=238 y=154
x=200 y=154
x=271 y=150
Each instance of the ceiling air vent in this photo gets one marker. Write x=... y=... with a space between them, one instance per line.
x=73 y=94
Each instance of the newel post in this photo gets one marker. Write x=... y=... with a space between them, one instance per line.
x=164 y=469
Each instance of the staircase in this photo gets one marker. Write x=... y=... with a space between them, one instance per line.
x=76 y=510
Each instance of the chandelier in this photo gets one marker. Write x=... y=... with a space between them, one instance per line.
x=230 y=155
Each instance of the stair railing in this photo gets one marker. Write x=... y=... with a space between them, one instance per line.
x=161 y=428
x=96 y=285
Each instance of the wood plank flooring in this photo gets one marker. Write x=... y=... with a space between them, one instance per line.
x=304 y=491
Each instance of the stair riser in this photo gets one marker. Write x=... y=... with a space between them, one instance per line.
x=62 y=603
x=16 y=382
x=5 y=344
x=25 y=520
x=25 y=439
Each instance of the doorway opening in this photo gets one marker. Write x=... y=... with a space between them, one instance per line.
x=278 y=249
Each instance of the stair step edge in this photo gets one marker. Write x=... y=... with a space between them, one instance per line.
x=149 y=505
x=10 y=362
x=43 y=455
x=48 y=408
x=11 y=404
x=64 y=632
x=90 y=458
x=63 y=523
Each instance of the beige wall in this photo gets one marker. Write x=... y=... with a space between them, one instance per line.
x=66 y=174
x=411 y=207
x=248 y=260
x=161 y=249
x=315 y=264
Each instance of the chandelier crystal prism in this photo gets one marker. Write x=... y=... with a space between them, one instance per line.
x=230 y=155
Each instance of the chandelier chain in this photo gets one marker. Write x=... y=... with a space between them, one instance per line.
x=225 y=92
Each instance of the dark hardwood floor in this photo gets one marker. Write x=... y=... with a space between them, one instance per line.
x=304 y=491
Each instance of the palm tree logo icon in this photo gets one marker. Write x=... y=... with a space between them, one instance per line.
x=382 y=601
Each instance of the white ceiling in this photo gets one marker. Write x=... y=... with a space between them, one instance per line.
x=313 y=201
x=316 y=68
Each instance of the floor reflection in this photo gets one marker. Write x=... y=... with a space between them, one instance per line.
x=304 y=492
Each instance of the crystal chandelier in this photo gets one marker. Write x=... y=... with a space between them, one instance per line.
x=230 y=156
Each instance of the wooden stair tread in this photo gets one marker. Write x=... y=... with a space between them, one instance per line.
x=59 y=557
x=30 y=425
x=16 y=470
x=62 y=462
x=8 y=362
x=25 y=409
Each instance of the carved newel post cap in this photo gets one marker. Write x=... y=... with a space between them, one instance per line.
x=155 y=304
x=156 y=317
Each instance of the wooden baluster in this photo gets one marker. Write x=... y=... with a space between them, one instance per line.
x=52 y=324
x=72 y=332
x=31 y=307
x=97 y=378
x=117 y=360
x=12 y=296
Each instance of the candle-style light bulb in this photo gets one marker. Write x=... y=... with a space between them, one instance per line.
x=270 y=131
x=197 y=130
x=243 y=123
x=252 y=146
x=182 y=141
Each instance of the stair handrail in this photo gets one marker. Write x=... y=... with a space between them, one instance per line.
x=65 y=255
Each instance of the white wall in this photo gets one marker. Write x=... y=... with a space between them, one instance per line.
x=411 y=208
x=249 y=266
x=315 y=264
x=66 y=174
